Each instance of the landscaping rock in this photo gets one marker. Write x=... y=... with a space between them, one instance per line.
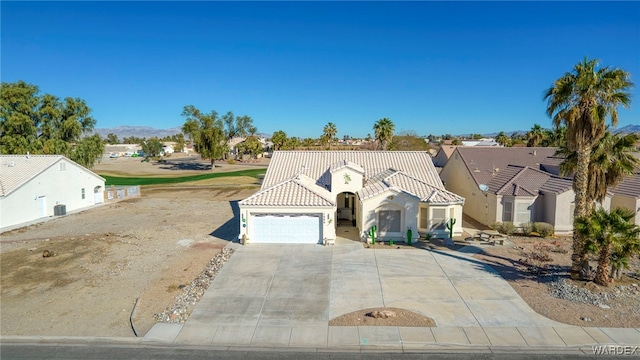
x=382 y=314
x=187 y=299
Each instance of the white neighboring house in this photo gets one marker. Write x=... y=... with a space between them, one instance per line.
x=32 y=185
x=306 y=195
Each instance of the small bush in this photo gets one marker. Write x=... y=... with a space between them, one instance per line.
x=542 y=228
x=497 y=226
x=527 y=229
x=231 y=161
x=507 y=228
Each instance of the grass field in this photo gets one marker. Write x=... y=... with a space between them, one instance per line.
x=121 y=180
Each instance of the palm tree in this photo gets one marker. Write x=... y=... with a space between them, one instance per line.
x=503 y=139
x=606 y=233
x=329 y=133
x=384 y=131
x=611 y=160
x=535 y=136
x=582 y=100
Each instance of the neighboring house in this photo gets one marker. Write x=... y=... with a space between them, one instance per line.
x=32 y=185
x=122 y=149
x=167 y=148
x=481 y=142
x=626 y=195
x=511 y=184
x=443 y=155
x=305 y=195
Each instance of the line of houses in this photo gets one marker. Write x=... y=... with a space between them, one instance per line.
x=306 y=195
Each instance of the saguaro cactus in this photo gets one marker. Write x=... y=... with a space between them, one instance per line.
x=450 y=224
x=409 y=236
x=372 y=234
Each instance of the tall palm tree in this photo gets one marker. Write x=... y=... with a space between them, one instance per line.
x=607 y=232
x=611 y=160
x=329 y=132
x=582 y=101
x=384 y=131
x=535 y=136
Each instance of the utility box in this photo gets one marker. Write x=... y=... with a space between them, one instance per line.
x=59 y=210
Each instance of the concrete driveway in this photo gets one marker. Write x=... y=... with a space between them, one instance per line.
x=285 y=295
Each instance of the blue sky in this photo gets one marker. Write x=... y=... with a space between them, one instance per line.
x=431 y=67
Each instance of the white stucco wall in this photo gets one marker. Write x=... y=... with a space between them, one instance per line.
x=57 y=187
x=351 y=183
x=391 y=200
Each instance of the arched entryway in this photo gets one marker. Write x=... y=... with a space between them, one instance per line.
x=346 y=207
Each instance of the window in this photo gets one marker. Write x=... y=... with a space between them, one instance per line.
x=523 y=214
x=438 y=219
x=389 y=221
x=63 y=166
x=507 y=211
x=424 y=218
x=82 y=193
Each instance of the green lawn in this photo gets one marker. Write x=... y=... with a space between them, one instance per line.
x=119 y=180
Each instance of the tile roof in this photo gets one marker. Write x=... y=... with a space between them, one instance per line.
x=346 y=164
x=630 y=186
x=402 y=182
x=317 y=165
x=299 y=190
x=518 y=181
x=16 y=170
x=484 y=163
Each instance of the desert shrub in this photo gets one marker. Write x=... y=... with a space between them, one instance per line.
x=535 y=261
x=542 y=228
x=527 y=229
x=507 y=228
x=496 y=226
x=231 y=161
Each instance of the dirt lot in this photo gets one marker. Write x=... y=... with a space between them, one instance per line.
x=109 y=256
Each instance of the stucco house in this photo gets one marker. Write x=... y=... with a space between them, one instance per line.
x=443 y=155
x=511 y=184
x=626 y=195
x=306 y=195
x=32 y=185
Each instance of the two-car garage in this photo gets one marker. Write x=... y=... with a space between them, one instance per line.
x=286 y=228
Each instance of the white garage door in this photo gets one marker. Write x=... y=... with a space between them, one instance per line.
x=286 y=228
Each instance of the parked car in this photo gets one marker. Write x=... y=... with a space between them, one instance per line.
x=114 y=155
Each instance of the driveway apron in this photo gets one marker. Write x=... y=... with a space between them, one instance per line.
x=285 y=295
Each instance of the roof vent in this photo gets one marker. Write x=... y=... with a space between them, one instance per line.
x=12 y=164
x=534 y=153
x=27 y=154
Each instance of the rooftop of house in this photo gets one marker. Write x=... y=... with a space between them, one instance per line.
x=16 y=170
x=485 y=163
x=303 y=178
x=318 y=165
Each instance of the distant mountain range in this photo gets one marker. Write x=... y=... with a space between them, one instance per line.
x=138 y=131
x=147 y=131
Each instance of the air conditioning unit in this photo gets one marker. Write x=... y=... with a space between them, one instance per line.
x=60 y=210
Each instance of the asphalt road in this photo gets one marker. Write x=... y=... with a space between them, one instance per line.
x=90 y=351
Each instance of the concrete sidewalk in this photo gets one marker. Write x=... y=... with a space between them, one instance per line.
x=283 y=296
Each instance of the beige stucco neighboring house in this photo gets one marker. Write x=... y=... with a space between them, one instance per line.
x=511 y=184
x=306 y=195
x=443 y=155
x=36 y=186
x=627 y=195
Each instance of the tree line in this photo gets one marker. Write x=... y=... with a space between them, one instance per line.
x=35 y=123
